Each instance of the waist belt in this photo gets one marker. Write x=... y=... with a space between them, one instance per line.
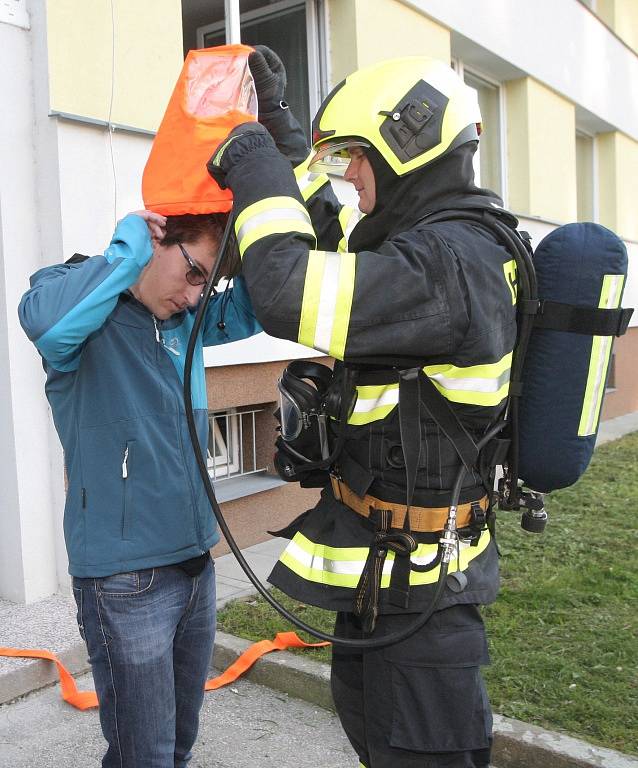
x=422 y=519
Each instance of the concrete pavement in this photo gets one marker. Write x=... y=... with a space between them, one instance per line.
x=241 y=726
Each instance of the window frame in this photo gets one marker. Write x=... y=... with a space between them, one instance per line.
x=220 y=467
x=244 y=441
x=459 y=66
x=316 y=37
x=595 y=182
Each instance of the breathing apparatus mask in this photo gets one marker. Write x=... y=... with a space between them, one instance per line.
x=314 y=406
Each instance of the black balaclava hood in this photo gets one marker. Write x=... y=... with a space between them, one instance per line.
x=402 y=201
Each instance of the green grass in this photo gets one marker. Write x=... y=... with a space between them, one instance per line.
x=564 y=631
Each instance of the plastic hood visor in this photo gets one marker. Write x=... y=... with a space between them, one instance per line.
x=214 y=93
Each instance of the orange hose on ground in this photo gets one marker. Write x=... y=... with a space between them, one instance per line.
x=88 y=699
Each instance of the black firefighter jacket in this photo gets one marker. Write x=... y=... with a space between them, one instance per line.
x=438 y=296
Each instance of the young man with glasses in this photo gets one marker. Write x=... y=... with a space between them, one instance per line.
x=112 y=331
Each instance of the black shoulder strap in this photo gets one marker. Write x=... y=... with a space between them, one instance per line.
x=440 y=411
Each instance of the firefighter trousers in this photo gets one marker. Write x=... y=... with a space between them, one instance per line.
x=420 y=703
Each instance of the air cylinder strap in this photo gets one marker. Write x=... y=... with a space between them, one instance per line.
x=592 y=321
x=88 y=699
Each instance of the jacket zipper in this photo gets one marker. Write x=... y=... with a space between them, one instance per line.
x=159 y=338
x=125 y=464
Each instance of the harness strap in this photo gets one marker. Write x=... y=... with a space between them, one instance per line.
x=410 y=431
x=440 y=411
x=366 y=599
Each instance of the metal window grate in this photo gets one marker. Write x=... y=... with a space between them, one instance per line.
x=232 y=443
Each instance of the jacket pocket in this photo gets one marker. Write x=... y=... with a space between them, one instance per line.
x=442 y=709
x=149 y=512
x=439 y=703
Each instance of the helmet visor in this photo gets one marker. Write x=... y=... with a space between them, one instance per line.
x=334 y=157
x=289 y=414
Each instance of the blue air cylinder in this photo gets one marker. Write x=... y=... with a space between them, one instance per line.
x=579 y=267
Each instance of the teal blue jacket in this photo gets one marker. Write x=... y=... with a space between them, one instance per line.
x=114 y=382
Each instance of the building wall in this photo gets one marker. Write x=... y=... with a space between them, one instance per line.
x=27 y=544
x=251 y=517
x=624 y=397
x=618 y=171
x=364 y=32
x=560 y=44
x=622 y=17
x=114 y=62
x=541 y=151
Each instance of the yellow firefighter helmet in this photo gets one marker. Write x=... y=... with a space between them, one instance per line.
x=413 y=110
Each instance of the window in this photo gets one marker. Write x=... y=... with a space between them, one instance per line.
x=489 y=160
x=232 y=443
x=292 y=28
x=585 y=177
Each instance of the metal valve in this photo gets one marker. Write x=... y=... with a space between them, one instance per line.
x=534 y=517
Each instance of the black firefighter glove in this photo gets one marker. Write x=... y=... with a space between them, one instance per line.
x=237 y=147
x=269 y=75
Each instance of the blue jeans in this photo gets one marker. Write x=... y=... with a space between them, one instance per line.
x=150 y=636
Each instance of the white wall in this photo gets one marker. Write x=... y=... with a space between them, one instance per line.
x=558 y=42
x=27 y=544
x=96 y=187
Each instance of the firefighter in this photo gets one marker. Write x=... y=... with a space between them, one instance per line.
x=414 y=313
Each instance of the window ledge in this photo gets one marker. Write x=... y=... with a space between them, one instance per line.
x=245 y=485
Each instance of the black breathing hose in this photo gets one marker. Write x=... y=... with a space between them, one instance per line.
x=369 y=643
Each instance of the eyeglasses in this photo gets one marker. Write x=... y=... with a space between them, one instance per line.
x=195 y=275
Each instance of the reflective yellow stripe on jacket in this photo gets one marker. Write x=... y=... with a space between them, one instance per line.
x=309 y=183
x=274 y=215
x=327 y=301
x=485 y=385
x=374 y=403
x=342 y=566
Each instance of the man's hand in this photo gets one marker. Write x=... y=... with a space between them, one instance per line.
x=269 y=75
x=239 y=142
x=156 y=224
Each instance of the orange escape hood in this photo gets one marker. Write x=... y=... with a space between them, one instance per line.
x=214 y=93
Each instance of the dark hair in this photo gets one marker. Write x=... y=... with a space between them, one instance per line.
x=192 y=227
